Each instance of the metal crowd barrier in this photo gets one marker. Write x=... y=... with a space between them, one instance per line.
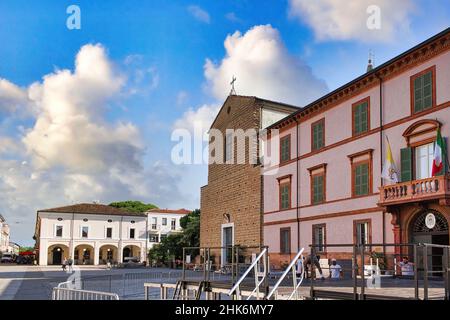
x=73 y=294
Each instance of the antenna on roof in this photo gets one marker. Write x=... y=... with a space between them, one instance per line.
x=233 y=91
x=370 y=63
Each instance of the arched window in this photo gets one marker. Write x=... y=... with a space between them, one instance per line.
x=419 y=226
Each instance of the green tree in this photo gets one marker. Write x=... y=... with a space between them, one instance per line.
x=133 y=206
x=191 y=229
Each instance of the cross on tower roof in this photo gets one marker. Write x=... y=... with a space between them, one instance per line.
x=233 y=91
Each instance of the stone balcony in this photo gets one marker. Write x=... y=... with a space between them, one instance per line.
x=435 y=188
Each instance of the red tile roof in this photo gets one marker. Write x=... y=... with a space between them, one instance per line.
x=179 y=211
x=93 y=208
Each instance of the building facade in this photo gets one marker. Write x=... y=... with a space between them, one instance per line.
x=162 y=222
x=90 y=234
x=4 y=235
x=231 y=202
x=14 y=248
x=326 y=186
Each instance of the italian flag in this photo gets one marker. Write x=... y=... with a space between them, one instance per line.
x=438 y=164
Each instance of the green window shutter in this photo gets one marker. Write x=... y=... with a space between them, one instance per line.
x=285 y=149
x=356 y=120
x=361 y=176
x=418 y=94
x=284 y=197
x=427 y=90
x=423 y=92
x=406 y=164
x=361 y=118
x=317 y=189
x=318 y=139
x=364 y=117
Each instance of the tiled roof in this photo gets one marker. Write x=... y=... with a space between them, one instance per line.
x=93 y=208
x=179 y=211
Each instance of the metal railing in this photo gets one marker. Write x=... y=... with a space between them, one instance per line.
x=74 y=294
x=295 y=283
x=65 y=284
x=422 y=272
x=257 y=274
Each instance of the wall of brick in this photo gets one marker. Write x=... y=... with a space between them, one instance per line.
x=234 y=189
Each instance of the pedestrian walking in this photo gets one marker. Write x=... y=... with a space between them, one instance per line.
x=64 y=264
x=313 y=260
x=70 y=264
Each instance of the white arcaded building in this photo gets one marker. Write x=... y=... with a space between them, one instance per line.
x=162 y=222
x=90 y=234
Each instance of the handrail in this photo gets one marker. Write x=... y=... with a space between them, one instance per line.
x=238 y=283
x=64 y=284
x=293 y=262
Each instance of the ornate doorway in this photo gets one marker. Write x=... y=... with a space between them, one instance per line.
x=430 y=226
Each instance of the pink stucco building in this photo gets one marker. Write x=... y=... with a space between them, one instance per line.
x=326 y=185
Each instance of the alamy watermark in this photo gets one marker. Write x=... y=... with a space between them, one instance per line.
x=74 y=19
x=229 y=146
x=373 y=21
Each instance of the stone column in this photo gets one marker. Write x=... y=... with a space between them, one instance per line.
x=120 y=252
x=96 y=254
x=43 y=253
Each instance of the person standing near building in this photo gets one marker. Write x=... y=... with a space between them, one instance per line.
x=407 y=267
x=299 y=267
x=70 y=263
x=64 y=264
x=335 y=270
x=309 y=261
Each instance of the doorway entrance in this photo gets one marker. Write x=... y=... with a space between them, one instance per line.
x=430 y=226
x=57 y=255
x=227 y=243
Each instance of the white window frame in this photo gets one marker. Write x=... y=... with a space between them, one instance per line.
x=129 y=233
x=173 y=224
x=366 y=232
x=223 y=226
x=164 y=223
x=56 y=227
x=81 y=232
x=153 y=235
x=106 y=233
x=429 y=158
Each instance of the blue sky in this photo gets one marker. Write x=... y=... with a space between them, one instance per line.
x=160 y=48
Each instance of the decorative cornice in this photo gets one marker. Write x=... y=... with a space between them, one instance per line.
x=405 y=61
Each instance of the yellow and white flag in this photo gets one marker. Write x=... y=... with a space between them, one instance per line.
x=389 y=170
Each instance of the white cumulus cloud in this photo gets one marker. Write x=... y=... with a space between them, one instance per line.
x=202 y=117
x=72 y=152
x=263 y=67
x=70 y=130
x=12 y=98
x=347 y=20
